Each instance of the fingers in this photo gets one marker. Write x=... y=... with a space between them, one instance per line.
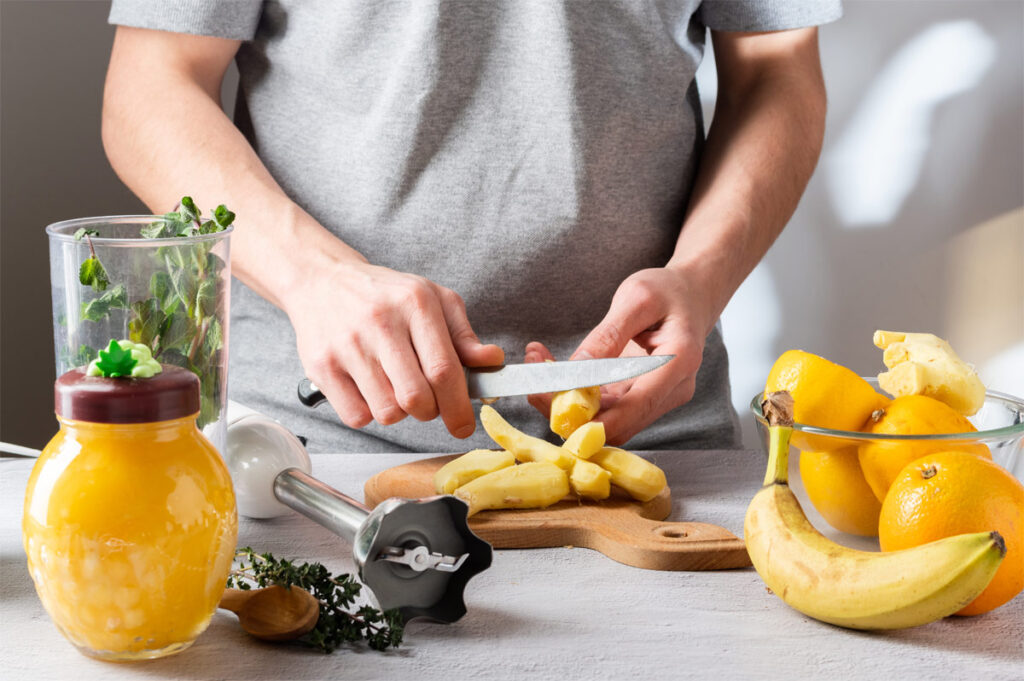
x=538 y=352
x=651 y=395
x=471 y=352
x=410 y=389
x=636 y=307
x=442 y=368
x=399 y=351
x=343 y=395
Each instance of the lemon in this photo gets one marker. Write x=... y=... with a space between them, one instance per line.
x=825 y=394
x=837 y=488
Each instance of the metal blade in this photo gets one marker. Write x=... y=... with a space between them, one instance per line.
x=546 y=377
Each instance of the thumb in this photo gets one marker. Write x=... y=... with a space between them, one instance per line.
x=627 y=317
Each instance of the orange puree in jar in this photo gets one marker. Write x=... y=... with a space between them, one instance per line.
x=130 y=528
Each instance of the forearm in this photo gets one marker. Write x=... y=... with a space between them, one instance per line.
x=183 y=144
x=763 y=145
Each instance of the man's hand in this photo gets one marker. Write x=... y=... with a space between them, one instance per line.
x=653 y=312
x=382 y=345
x=761 y=149
x=379 y=343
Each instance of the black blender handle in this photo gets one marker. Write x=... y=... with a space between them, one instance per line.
x=309 y=394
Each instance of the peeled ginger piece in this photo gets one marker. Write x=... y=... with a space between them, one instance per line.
x=570 y=409
x=524 y=447
x=924 y=364
x=641 y=479
x=590 y=480
x=586 y=440
x=470 y=466
x=527 y=485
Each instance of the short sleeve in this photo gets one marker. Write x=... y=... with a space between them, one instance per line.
x=767 y=15
x=235 y=19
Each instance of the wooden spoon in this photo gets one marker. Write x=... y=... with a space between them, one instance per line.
x=274 y=613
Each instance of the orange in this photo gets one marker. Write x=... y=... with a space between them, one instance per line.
x=882 y=460
x=824 y=394
x=949 y=493
x=837 y=488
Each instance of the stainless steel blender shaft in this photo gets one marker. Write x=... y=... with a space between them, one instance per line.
x=321 y=503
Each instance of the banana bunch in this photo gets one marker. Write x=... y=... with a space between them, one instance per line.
x=849 y=588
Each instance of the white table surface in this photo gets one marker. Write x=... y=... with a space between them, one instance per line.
x=566 y=613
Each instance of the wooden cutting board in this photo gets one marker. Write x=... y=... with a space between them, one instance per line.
x=620 y=527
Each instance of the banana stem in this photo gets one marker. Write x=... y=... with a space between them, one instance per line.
x=778 y=455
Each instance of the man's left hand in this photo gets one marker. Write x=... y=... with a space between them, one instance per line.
x=657 y=312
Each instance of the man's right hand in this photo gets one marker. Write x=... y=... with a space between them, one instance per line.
x=379 y=343
x=384 y=345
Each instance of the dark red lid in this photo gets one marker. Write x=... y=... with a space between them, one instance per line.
x=171 y=394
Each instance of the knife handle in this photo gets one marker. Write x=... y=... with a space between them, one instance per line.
x=309 y=394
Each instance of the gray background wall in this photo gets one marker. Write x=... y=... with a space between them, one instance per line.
x=913 y=220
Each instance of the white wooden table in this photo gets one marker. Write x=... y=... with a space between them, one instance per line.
x=544 y=613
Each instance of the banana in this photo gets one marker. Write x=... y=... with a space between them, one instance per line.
x=849 y=588
x=924 y=364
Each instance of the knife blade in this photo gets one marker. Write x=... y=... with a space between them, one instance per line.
x=538 y=377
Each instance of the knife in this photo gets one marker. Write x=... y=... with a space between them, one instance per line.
x=537 y=377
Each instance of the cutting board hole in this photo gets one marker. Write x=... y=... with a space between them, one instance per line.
x=670 y=532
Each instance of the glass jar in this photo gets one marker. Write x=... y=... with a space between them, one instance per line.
x=129 y=523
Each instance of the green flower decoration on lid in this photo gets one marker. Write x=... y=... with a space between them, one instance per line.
x=124 y=359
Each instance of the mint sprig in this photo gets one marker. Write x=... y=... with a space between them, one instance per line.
x=91 y=273
x=178 y=321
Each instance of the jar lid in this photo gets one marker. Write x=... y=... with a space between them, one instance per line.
x=171 y=394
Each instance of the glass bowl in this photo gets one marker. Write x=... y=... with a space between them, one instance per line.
x=1000 y=424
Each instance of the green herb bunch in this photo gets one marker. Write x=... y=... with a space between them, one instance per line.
x=178 y=320
x=340 y=622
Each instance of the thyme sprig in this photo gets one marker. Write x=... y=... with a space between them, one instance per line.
x=340 y=621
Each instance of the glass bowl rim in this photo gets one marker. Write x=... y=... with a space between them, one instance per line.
x=1013 y=430
x=64 y=230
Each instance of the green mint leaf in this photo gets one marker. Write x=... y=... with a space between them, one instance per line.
x=185 y=287
x=146 y=320
x=160 y=229
x=82 y=232
x=98 y=308
x=206 y=298
x=210 y=227
x=115 y=362
x=177 y=331
x=214 y=265
x=187 y=209
x=82 y=357
x=223 y=216
x=214 y=340
x=175 y=357
x=91 y=273
x=161 y=288
x=209 y=408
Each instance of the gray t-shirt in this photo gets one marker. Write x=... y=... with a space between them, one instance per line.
x=528 y=154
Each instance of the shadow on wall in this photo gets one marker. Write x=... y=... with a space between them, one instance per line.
x=913 y=221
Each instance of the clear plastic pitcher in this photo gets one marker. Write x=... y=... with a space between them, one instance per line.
x=173 y=294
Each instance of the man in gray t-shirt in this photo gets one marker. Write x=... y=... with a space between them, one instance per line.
x=413 y=176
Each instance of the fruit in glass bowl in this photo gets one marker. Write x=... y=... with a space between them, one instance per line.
x=999 y=432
